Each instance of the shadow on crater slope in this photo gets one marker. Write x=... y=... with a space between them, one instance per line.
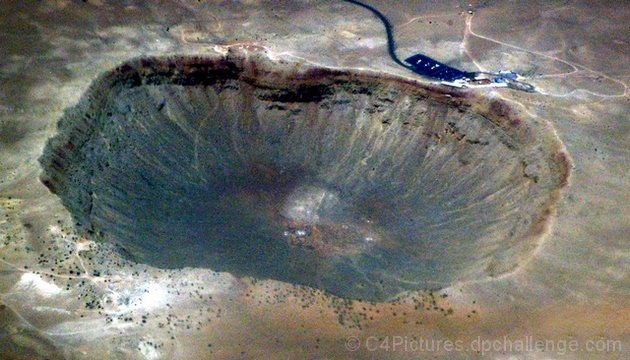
x=360 y=184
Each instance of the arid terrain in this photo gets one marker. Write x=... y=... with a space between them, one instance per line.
x=561 y=292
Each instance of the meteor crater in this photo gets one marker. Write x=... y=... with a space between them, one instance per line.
x=361 y=184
